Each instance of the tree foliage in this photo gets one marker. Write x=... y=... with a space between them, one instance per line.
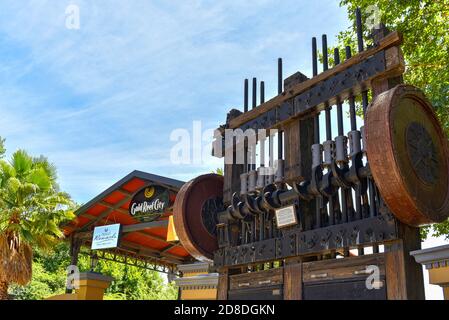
x=31 y=209
x=130 y=283
x=424 y=25
x=2 y=147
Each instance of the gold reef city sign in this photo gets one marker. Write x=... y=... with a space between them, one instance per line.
x=149 y=203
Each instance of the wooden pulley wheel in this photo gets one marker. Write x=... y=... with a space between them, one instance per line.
x=195 y=215
x=408 y=155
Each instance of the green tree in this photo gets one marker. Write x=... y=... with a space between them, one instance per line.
x=31 y=208
x=2 y=147
x=130 y=283
x=424 y=25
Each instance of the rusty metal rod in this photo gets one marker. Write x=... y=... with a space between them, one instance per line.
x=245 y=96
x=254 y=93
x=280 y=89
x=358 y=18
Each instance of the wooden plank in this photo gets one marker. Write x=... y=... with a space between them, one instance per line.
x=345 y=262
x=393 y=56
x=393 y=39
x=110 y=206
x=256 y=279
x=298 y=143
x=145 y=225
x=340 y=269
x=124 y=192
x=395 y=276
x=150 y=252
x=223 y=282
x=293 y=281
x=404 y=275
x=105 y=213
x=298 y=135
x=351 y=289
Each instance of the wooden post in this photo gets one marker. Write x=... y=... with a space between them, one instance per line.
x=404 y=275
x=223 y=284
x=75 y=246
x=293 y=280
x=298 y=140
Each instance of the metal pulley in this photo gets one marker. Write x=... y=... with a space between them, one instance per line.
x=195 y=215
x=408 y=155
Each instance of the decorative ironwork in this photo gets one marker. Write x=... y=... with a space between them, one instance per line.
x=209 y=214
x=294 y=242
x=422 y=153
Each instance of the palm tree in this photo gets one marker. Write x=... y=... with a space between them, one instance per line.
x=31 y=208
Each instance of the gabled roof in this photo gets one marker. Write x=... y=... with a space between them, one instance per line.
x=172 y=184
x=111 y=206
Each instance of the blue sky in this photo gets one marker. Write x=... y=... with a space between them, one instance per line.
x=102 y=101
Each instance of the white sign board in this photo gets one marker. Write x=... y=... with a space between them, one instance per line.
x=106 y=237
x=286 y=216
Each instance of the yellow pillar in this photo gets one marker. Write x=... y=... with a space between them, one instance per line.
x=91 y=286
x=196 y=282
x=440 y=276
x=446 y=292
x=436 y=261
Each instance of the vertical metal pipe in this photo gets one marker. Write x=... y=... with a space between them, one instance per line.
x=325 y=54
x=352 y=117
x=254 y=93
x=352 y=112
x=328 y=109
x=245 y=96
x=253 y=146
x=316 y=133
x=315 y=73
x=280 y=89
x=358 y=18
x=280 y=77
x=364 y=100
x=262 y=92
x=314 y=58
x=339 y=105
x=344 y=192
x=328 y=124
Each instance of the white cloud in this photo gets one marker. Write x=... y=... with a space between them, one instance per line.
x=101 y=101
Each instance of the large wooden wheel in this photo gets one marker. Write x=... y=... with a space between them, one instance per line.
x=408 y=155
x=195 y=215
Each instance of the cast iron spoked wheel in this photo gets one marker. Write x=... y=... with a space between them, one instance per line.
x=195 y=215
x=408 y=155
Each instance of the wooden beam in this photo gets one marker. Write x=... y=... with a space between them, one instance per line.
x=105 y=213
x=124 y=192
x=293 y=280
x=223 y=285
x=404 y=276
x=145 y=225
x=110 y=206
x=150 y=252
x=137 y=229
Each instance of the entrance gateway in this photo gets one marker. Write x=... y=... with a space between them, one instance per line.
x=330 y=213
x=338 y=215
